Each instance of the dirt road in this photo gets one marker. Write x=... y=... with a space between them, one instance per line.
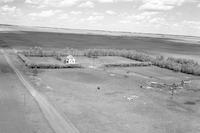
x=12 y=116
x=19 y=113
x=57 y=122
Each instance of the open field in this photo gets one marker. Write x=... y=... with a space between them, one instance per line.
x=45 y=60
x=102 y=60
x=28 y=37
x=97 y=99
x=120 y=105
x=112 y=100
x=85 y=60
x=155 y=44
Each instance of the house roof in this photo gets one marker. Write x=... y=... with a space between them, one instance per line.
x=70 y=57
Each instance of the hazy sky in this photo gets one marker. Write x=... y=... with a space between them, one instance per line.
x=155 y=16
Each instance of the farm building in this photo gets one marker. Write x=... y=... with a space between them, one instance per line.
x=69 y=60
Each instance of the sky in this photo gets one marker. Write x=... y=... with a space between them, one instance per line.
x=148 y=16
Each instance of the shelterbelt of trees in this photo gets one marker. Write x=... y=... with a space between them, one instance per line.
x=188 y=66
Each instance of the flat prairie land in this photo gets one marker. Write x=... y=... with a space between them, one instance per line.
x=30 y=37
x=102 y=60
x=118 y=100
x=110 y=100
x=156 y=44
x=50 y=60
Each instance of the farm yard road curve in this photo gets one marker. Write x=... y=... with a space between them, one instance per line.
x=56 y=121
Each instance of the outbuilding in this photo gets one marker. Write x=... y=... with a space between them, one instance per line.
x=69 y=60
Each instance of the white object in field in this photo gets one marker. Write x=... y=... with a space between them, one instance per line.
x=154 y=82
x=112 y=74
x=69 y=60
x=91 y=66
x=132 y=97
x=187 y=81
x=149 y=87
x=49 y=88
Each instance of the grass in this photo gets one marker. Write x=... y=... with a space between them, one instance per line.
x=45 y=65
x=176 y=64
x=52 y=66
x=80 y=41
x=129 y=64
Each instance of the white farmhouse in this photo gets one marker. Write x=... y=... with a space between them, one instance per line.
x=69 y=60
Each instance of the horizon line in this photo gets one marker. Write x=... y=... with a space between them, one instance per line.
x=101 y=30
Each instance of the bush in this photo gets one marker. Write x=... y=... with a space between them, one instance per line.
x=175 y=64
x=52 y=66
x=34 y=65
x=24 y=58
x=129 y=64
x=178 y=65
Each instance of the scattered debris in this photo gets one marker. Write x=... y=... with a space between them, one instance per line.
x=157 y=85
x=49 y=88
x=149 y=87
x=172 y=88
x=132 y=97
x=172 y=91
x=98 y=88
x=93 y=67
x=185 y=82
x=112 y=74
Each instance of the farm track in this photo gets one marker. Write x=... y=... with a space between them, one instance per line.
x=55 y=119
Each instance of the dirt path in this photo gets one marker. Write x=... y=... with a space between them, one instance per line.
x=12 y=116
x=57 y=122
x=19 y=112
